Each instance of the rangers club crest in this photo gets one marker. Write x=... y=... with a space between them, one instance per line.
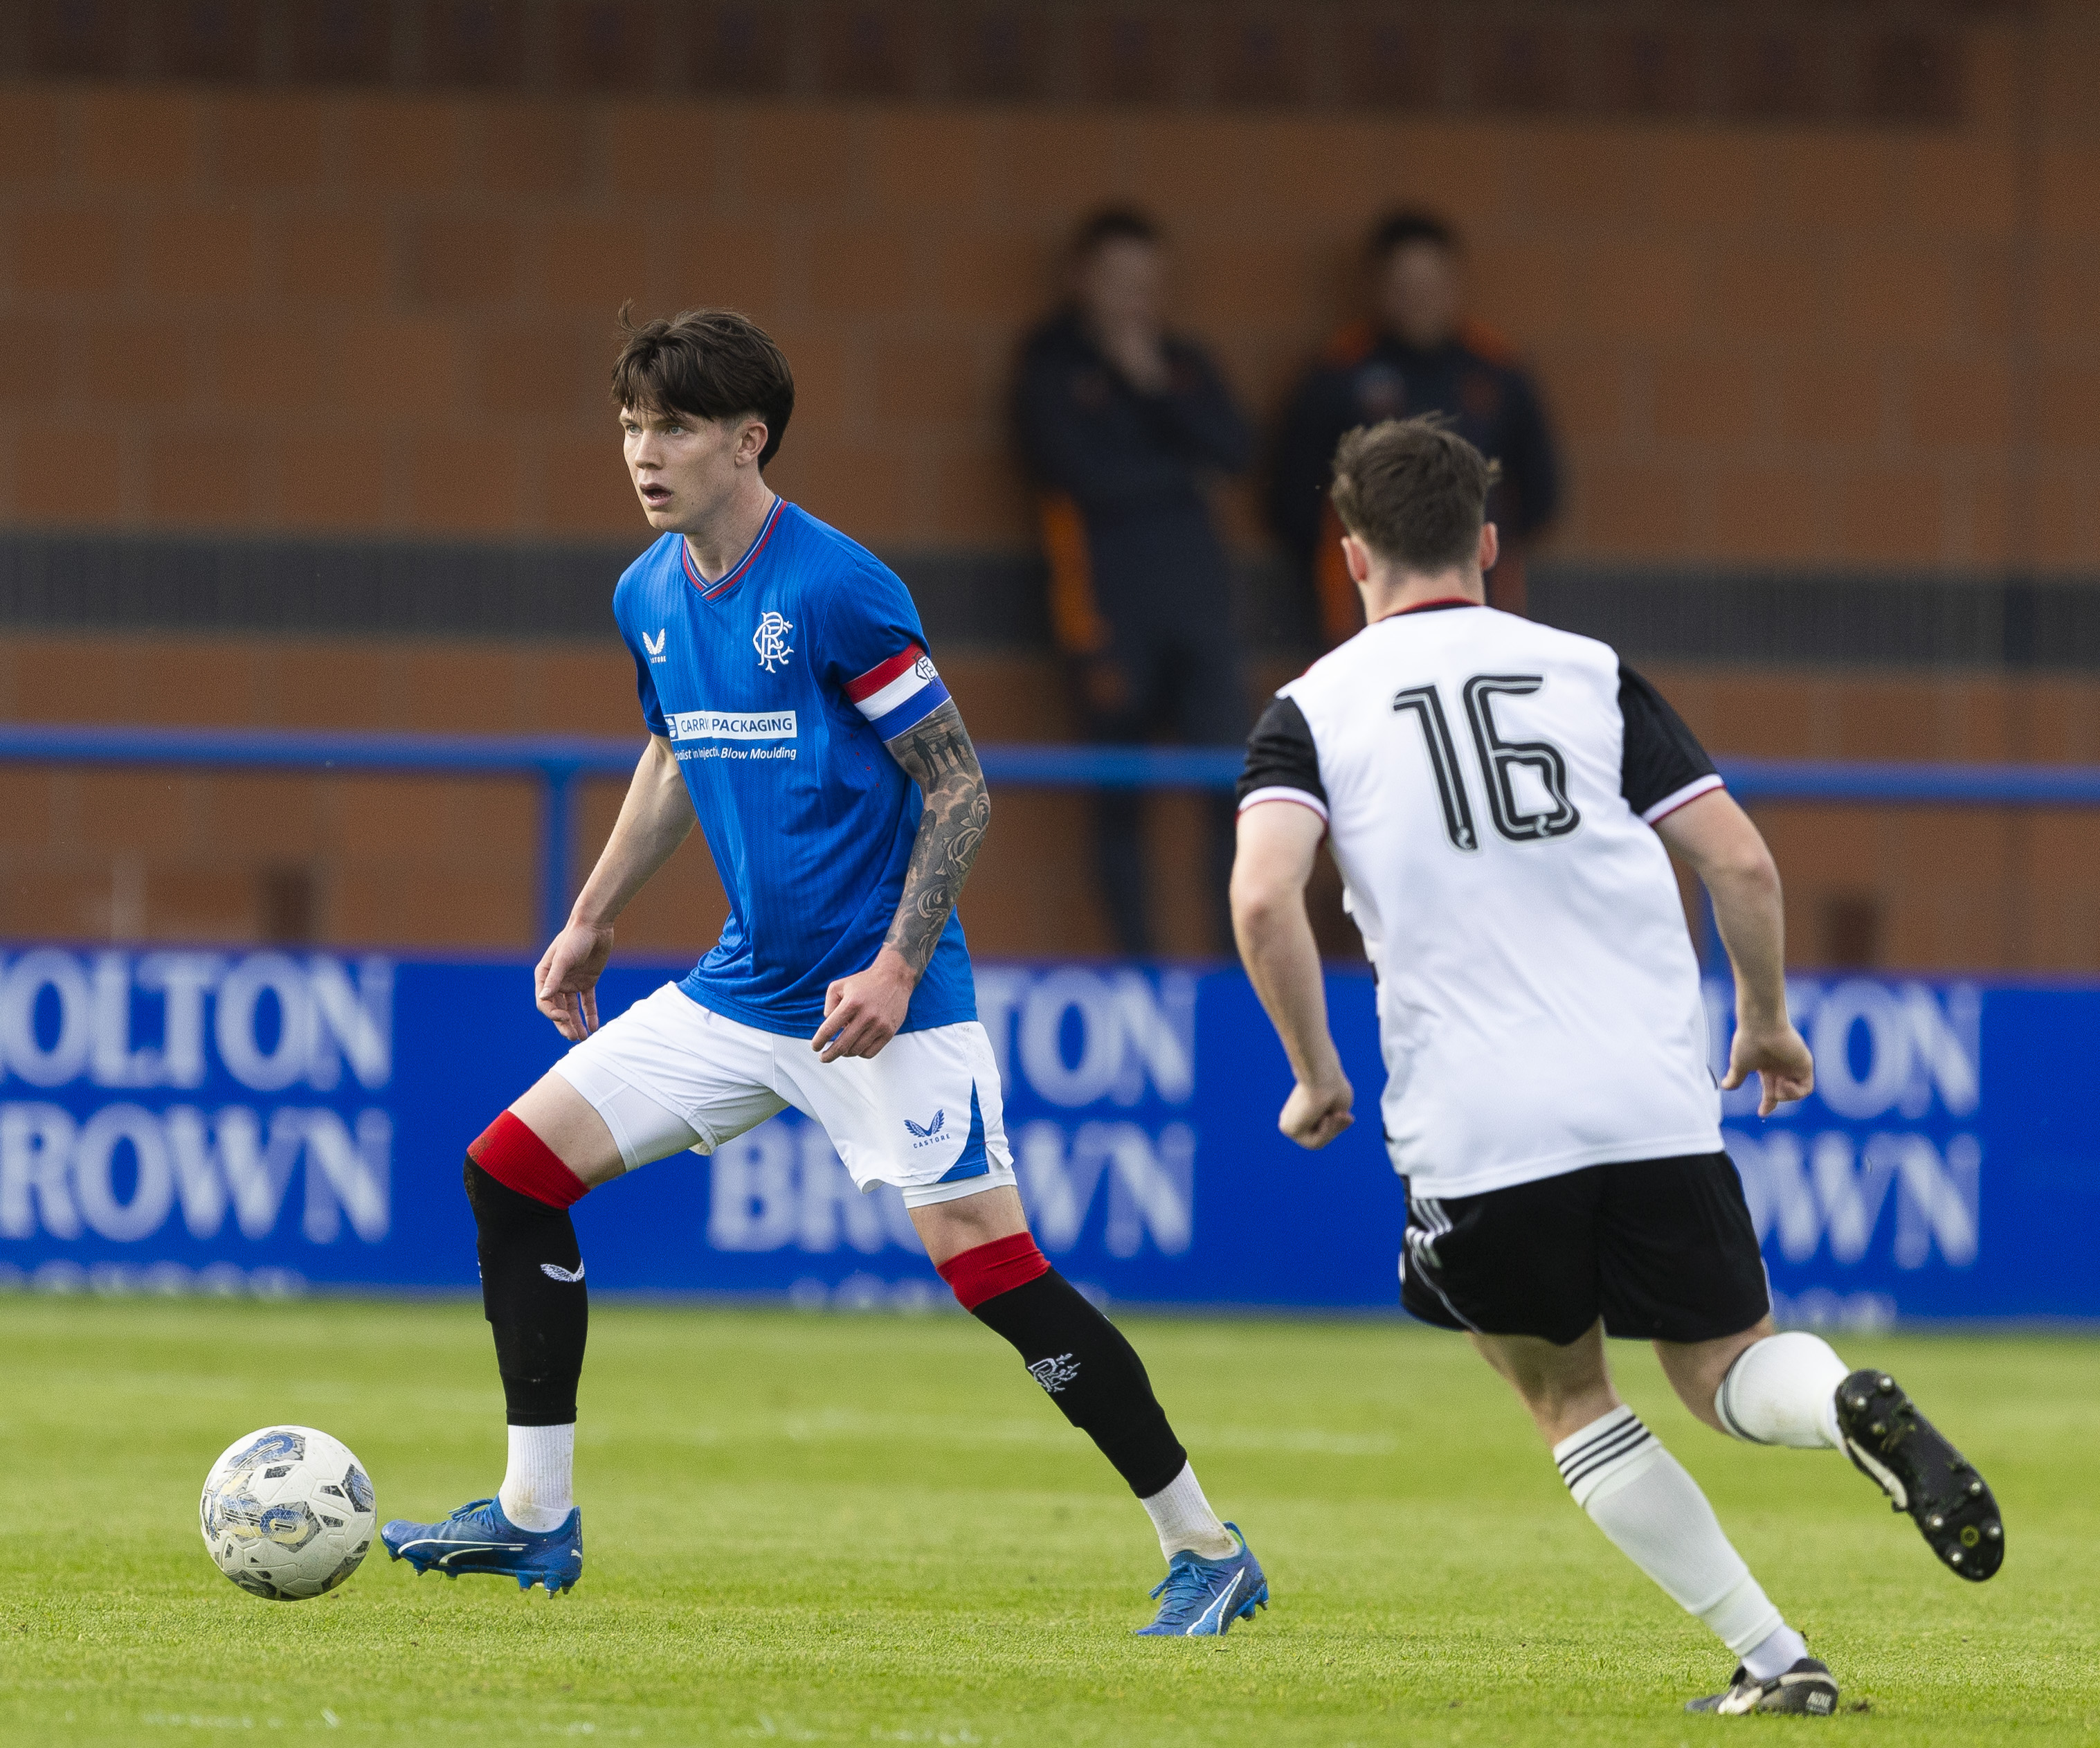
x=1054 y=1374
x=770 y=641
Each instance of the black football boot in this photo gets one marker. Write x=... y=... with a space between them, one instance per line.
x=1889 y=1439
x=1807 y=1690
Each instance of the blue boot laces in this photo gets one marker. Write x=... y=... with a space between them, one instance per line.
x=1184 y=1584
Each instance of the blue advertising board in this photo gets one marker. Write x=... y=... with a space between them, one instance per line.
x=175 y=1118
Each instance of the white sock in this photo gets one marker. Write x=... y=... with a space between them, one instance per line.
x=1784 y=1391
x=1774 y=1655
x=1184 y=1520
x=538 y=1487
x=1640 y=1496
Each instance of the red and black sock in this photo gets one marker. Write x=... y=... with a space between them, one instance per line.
x=1080 y=1357
x=532 y=1271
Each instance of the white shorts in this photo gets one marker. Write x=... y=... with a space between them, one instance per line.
x=925 y=1114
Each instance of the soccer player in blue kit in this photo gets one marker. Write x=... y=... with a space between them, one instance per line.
x=793 y=709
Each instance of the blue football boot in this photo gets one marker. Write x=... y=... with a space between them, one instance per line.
x=1204 y=1597
x=478 y=1538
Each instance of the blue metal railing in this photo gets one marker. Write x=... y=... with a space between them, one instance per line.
x=559 y=764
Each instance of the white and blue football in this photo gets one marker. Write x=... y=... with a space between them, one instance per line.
x=288 y=1512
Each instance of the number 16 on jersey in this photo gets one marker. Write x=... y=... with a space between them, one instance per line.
x=1500 y=761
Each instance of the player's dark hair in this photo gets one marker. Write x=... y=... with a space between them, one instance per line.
x=712 y=364
x=1114 y=224
x=1397 y=229
x=1413 y=491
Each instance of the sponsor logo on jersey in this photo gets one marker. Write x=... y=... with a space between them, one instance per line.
x=653 y=645
x=1054 y=1374
x=732 y=724
x=770 y=641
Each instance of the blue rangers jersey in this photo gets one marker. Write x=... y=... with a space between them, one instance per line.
x=777 y=685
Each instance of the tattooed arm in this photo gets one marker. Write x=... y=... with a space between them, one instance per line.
x=862 y=1013
x=938 y=755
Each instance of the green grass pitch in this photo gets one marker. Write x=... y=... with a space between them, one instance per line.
x=804 y=1527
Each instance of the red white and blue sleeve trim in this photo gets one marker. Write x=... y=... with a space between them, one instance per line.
x=1283 y=792
x=1676 y=798
x=898 y=694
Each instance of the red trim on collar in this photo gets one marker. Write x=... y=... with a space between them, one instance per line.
x=1423 y=606
x=729 y=578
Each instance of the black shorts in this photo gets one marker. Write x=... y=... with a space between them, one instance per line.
x=1663 y=1250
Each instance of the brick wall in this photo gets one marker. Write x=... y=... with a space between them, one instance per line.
x=1773 y=333
x=1872 y=60
x=166 y=855
x=377 y=310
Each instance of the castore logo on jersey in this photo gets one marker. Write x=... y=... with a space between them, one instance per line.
x=653 y=645
x=770 y=641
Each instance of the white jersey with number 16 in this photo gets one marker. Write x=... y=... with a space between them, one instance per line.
x=1490 y=787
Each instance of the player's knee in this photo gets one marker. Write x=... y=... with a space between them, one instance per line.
x=987 y=1271
x=509 y=1155
x=532 y=1268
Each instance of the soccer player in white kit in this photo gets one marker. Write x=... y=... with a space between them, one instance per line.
x=794 y=712
x=1498 y=797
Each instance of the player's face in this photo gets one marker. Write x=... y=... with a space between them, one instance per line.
x=685 y=468
x=1123 y=287
x=1417 y=293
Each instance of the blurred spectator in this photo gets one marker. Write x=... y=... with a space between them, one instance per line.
x=1417 y=354
x=1124 y=427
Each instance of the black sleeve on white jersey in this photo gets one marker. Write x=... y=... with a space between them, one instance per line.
x=1282 y=764
x=1661 y=765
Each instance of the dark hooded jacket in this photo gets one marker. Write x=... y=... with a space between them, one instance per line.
x=1366 y=375
x=1123 y=478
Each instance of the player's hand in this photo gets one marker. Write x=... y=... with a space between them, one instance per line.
x=1314 y=1116
x=1780 y=1057
x=862 y=1013
x=565 y=986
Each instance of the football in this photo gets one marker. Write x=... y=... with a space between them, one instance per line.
x=287 y=1514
